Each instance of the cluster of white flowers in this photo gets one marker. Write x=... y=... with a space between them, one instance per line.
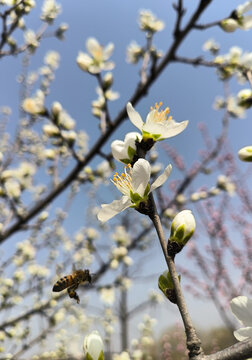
x=120 y=254
x=141 y=347
x=224 y=183
x=25 y=252
x=212 y=46
x=203 y=194
x=52 y=59
x=14 y=181
x=238 y=20
x=230 y=104
x=123 y=356
x=149 y=22
x=134 y=52
x=50 y=11
x=95 y=62
x=121 y=236
x=38 y=270
x=98 y=105
x=107 y=295
x=134 y=182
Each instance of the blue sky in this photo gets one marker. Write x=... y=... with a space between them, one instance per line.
x=188 y=91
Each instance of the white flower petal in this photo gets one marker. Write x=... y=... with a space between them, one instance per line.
x=109 y=65
x=241 y=9
x=108 y=50
x=169 y=129
x=134 y=117
x=246 y=22
x=243 y=333
x=92 y=46
x=241 y=307
x=118 y=150
x=162 y=178
x=94 y=69
x=130 y=139
x=140 y=176
x=83 y=60
x=110 y=210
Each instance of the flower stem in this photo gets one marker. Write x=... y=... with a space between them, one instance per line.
x=193 y=342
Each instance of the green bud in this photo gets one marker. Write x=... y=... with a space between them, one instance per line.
x=165 y=284
x=183 y=227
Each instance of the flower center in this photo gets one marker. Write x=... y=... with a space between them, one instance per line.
x=123 y=182
x=98 y=54
x=162 y=115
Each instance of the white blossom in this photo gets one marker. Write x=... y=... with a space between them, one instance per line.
x=52 y=59
x=158 y=125
x=134 y=52
x=30 y=38
x=241 y=307
x=50 y=10
x=107 y=295
x=35 y=105
x=134 y=185
x=149 y=22
x=98 y=60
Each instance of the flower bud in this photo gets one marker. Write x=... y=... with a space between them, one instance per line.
x=56 y=108
x=50 y=130
x=165 y=284
x=93 y=346
x=244 y=98
x=107 y=80
x=61 y=30
x=124 y=151
x=229 y=25
x=182 y=227
x=245 y=154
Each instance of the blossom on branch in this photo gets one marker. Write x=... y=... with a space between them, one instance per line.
x=149 y=22
x=134 y=185
x=124 y=151
x=98 y=60
x=158 y=125
x=50 y=11
x=237 y=19
x=241 y=307
x=35 y=105
x=183 y=227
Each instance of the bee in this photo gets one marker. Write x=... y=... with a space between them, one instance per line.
x=71 y=283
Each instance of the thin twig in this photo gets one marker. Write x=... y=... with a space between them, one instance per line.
x=193 y=342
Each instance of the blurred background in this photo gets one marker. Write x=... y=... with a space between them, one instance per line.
x=190 y=92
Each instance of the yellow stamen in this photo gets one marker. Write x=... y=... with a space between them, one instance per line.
x=160 y=116
x=123 y=182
